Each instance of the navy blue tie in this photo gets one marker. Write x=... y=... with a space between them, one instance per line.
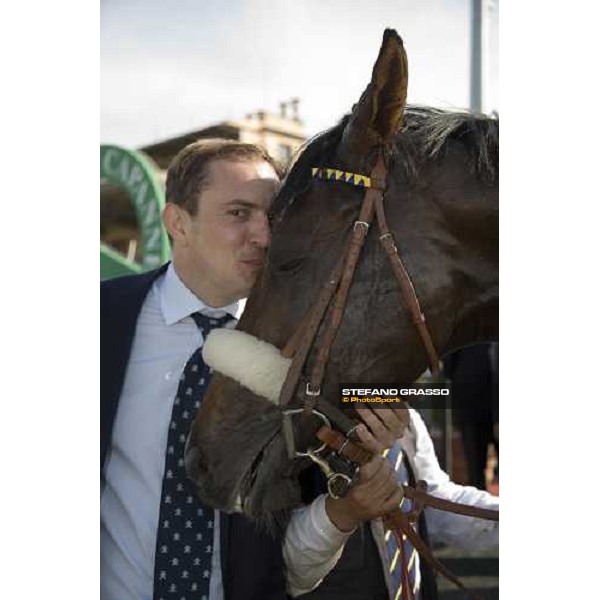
x=405 y=557
x=184 y=539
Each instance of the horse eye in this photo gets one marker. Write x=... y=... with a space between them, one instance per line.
x=291 y=266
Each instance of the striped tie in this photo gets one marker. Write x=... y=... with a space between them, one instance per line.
x=404 y=561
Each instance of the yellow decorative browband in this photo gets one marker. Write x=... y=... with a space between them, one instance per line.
x=336 y=175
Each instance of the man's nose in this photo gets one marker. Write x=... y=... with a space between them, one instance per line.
x=260 y=233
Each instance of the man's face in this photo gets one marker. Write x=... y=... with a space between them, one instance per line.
x=224 y=245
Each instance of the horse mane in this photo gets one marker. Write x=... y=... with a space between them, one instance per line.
x=432 y=129
x=426 y=135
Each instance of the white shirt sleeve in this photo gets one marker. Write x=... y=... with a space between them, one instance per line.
x=311 y=548
x=467 y=533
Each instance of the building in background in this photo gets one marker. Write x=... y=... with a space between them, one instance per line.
x=280 y=134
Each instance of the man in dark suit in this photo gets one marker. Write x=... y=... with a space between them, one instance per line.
x=218 y=195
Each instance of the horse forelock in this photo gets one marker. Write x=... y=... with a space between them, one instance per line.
x=315 y=152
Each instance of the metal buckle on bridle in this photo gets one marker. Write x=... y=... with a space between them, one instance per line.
x=294 y=411
x=337 y=483
x=310 y=392
x=390 y=235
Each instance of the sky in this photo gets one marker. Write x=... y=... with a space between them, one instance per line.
x=172 y=66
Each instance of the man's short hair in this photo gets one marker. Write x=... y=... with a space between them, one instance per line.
x=188 y=172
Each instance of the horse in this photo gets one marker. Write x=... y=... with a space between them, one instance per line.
x=433 y=175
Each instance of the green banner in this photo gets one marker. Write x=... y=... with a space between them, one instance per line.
x=134 y=172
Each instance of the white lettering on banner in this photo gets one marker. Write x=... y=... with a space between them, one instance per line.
x=150 y=215
x=107 y=166
x=139 y=197
x=152 y=260
x=152 y=240
x=124 y=170
x=136 y=176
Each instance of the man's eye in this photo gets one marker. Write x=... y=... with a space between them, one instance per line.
x=238 y=212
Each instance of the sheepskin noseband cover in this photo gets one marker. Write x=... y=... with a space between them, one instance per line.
x=251 y=362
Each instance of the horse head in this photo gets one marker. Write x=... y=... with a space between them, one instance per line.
x=441 y=205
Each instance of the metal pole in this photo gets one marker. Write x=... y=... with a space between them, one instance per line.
x=476 y=55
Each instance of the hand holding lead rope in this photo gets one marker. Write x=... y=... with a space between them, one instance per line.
x=359 y=455
x=396 y=520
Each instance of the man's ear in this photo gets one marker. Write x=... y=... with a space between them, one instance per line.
x=176 y=220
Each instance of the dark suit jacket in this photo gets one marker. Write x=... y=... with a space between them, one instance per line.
x=252 y=563
x=474 y=374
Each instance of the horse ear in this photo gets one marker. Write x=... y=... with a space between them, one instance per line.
x=378 y=114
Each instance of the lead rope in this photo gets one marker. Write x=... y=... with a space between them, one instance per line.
x=397 y=521
x=406 y=587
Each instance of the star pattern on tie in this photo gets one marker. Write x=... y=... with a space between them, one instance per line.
x=405 y=555
x=184 y=539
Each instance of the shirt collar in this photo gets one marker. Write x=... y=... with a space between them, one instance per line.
x=178 y=302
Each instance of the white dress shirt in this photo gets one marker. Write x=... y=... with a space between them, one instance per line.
x=165 y=338
x=313 y=545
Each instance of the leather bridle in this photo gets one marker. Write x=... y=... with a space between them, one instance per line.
x=334 y=296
